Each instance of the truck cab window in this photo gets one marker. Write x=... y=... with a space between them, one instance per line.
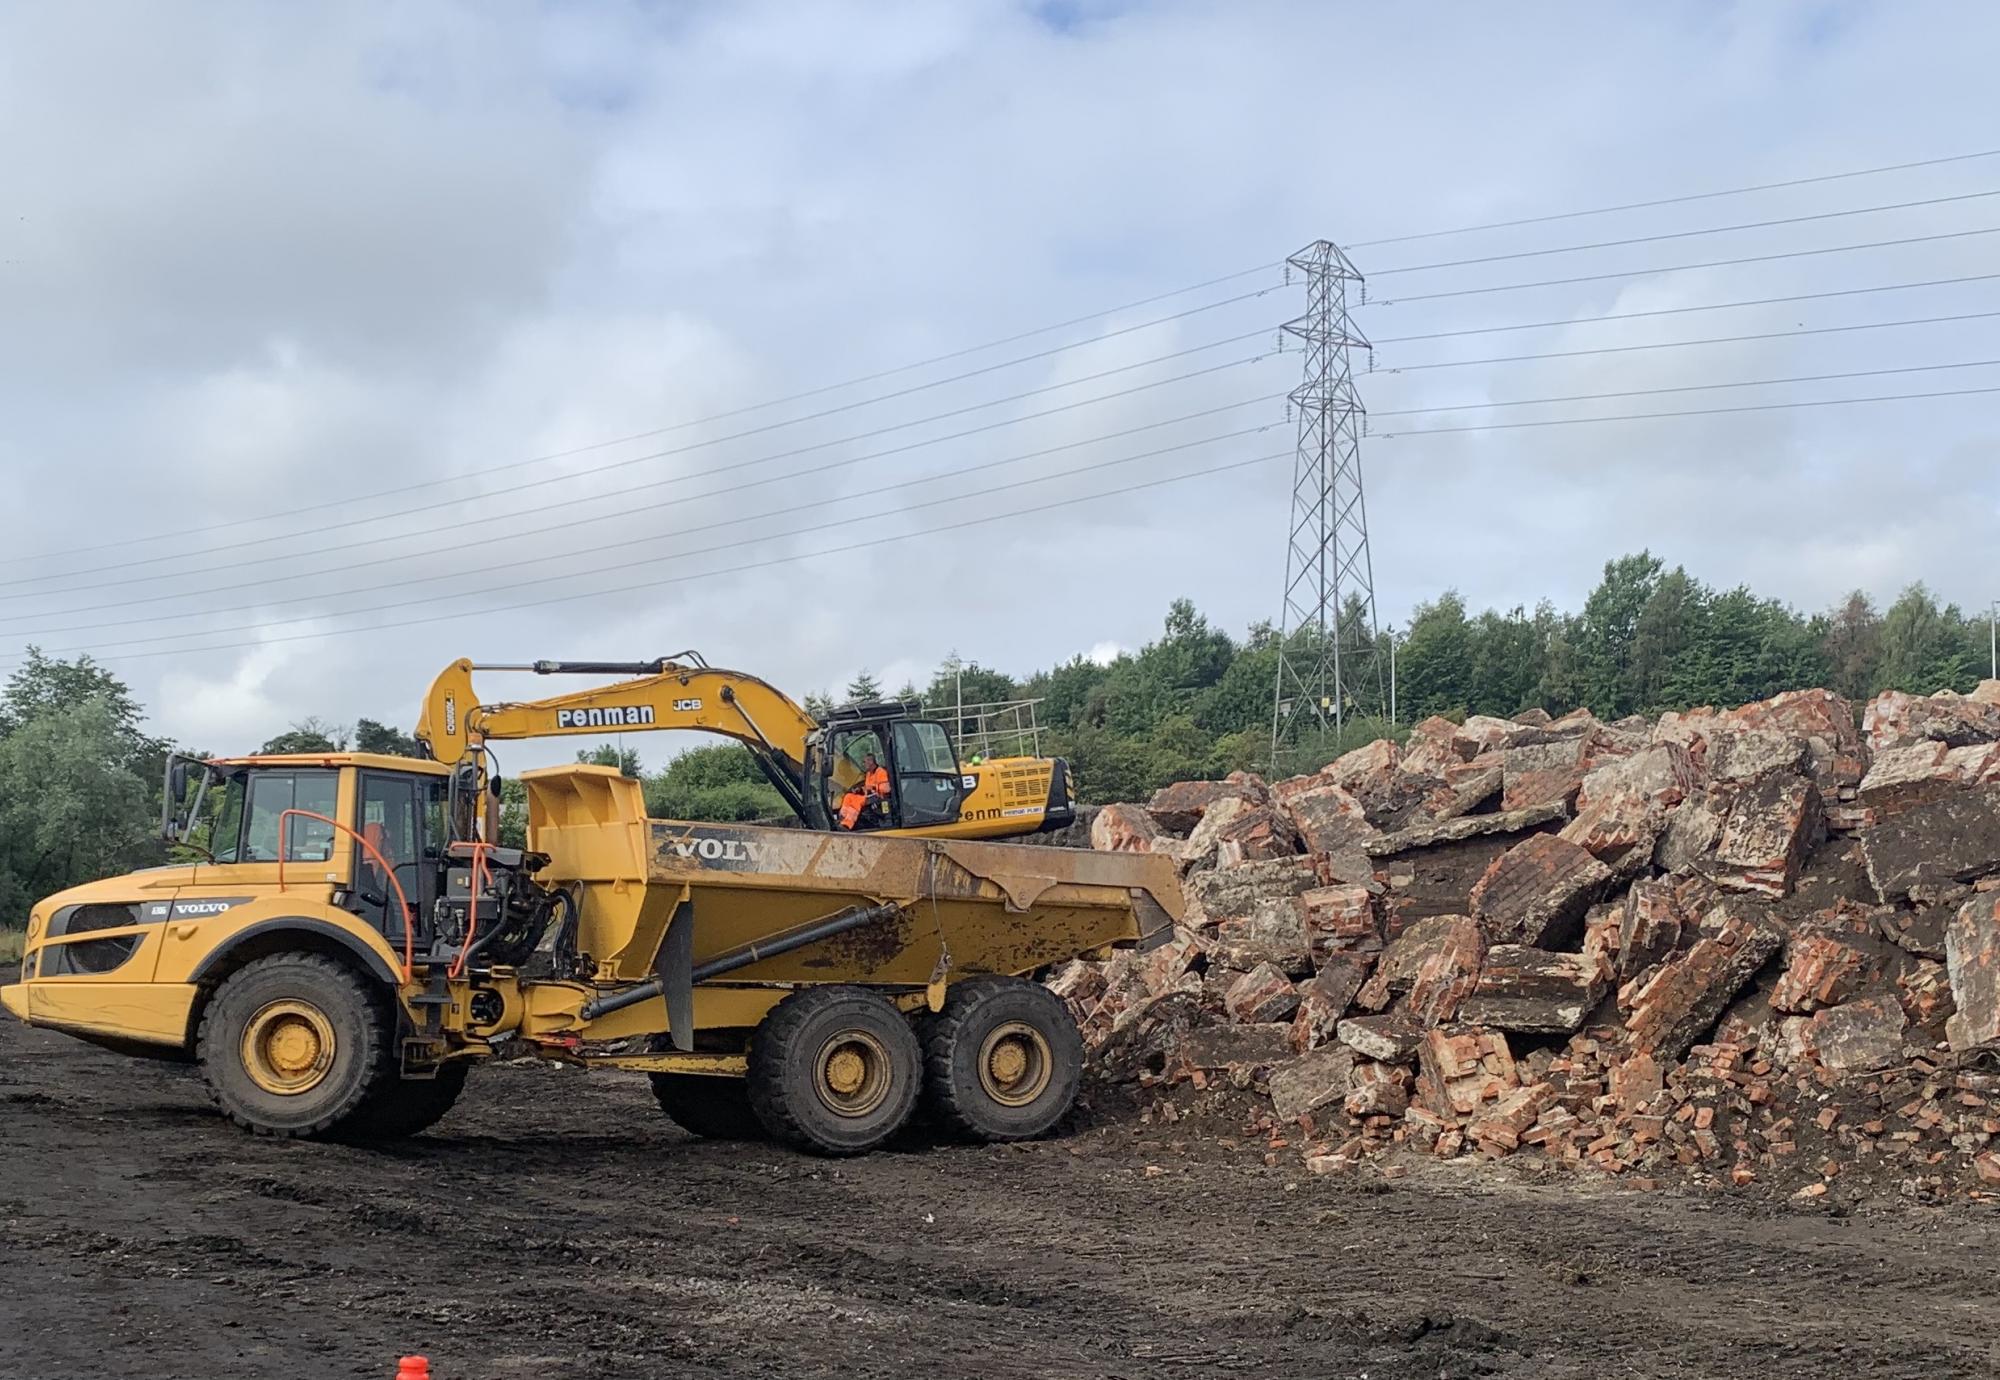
x=269 y=795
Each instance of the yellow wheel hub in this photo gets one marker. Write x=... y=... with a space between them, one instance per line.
x=851 y=1074
x=1015 y=1064
x=288 y=1047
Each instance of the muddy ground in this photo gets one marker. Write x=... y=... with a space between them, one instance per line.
x=556 y=1226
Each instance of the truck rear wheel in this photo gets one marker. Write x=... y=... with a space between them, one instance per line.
x=402 y=1107
x=292 y=1045
x=1002 y=1061
x=834 y=1070
x=706 y=1106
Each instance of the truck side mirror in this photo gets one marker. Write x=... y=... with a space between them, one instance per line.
x=173 y=797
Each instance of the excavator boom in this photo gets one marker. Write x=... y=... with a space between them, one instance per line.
x=802 y=759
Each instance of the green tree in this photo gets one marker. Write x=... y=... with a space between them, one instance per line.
x=863 y=689
x=71 y=806
x=1437 y=662
x=721 y=782
x=1509 y=661
x=370 y=736
x=1852 y=645
x=611 y=755
x=1604 y=637
x=969 y=683
x=1926 y=648
x=308 y=735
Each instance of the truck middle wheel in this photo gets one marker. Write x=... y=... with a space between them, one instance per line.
x=1002 y=1061
x=708 y=1107
x=834 y=1070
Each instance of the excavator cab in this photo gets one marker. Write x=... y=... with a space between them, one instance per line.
x=926 y=786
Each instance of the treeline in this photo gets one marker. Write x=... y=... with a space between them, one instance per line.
x=79 y=775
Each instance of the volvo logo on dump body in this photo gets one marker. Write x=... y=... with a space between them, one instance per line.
x=609 y=716
x=729 y=853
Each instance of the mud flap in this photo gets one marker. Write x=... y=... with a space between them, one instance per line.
x=674 y=969
x=1156 y=927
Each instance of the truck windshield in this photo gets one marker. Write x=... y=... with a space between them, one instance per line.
x=253 y=805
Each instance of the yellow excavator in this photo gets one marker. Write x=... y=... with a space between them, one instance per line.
x=815 y=766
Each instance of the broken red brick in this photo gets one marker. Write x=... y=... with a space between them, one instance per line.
x=1820 y=971
x=1325 y=999
x=1261 y=995
x=1673 y=1005
x=1533 y=991
x=1537 y=891
x=1765 y=836
x=1448 y=973
x=1972 y=956
x=1340 y=919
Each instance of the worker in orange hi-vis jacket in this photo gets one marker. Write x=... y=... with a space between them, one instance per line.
x=873 y=785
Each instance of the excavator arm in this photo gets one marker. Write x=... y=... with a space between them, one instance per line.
x=666 y=694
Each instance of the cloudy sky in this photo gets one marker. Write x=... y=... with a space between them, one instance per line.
x=340 y=342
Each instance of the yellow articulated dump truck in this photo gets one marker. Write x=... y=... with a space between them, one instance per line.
x=351 y=942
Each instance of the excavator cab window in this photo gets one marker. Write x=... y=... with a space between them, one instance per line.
x=847 y=772
x=926 y=772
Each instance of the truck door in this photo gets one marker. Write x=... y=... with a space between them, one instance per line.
x=400 y=815
x=927 y=777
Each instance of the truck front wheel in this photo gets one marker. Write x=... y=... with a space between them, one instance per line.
x=292 y=1045
x=1002 y=1061
x=834 y=1070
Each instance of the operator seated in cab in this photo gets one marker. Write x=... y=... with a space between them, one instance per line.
x=866 y=804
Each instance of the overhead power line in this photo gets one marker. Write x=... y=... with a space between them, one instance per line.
x=1675 y=200
x=1380 y=340
x=1681 y=344
x=650 y=538
x=1690 y=412
x=599 y=591
x=1685 y=388
x=1683 y=234
x=235 y=548
x=183 y=533
x=981 y=520
x=1681 y=268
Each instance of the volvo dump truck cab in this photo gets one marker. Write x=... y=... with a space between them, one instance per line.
x=347 y=944
x=813 y=764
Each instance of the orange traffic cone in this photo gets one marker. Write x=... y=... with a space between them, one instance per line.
x=413 y=1368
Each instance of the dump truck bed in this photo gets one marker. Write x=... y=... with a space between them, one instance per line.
x=981 y=907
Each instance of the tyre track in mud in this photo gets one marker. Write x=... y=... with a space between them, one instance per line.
x=555 y=1225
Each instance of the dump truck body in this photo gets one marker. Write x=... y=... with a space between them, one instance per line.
x=651 y=944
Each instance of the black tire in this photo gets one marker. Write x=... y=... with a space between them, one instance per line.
x=805 y=1052
x=1001 y=1019
x=349 y=1033
x=402 y=1107
x=706 y=1106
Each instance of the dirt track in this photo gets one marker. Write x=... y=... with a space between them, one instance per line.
x=556 y=1226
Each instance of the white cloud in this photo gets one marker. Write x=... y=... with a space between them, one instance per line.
x=260 y=258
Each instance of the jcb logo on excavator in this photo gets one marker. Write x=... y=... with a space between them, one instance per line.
x=687 y=706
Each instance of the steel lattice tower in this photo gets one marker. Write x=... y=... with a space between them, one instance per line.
x=1326 y=671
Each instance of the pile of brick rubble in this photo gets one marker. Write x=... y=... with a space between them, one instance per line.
x=1743 y=946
